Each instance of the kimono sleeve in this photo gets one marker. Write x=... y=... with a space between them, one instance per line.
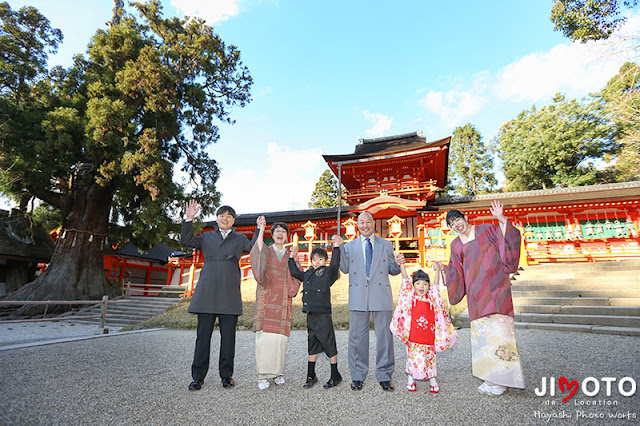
x=293 y=285
x=186 y=236
x=259 y=263
x=400 y=325
x=507 y=245
x=510 y=249
x=454 y=276
x=445 y=333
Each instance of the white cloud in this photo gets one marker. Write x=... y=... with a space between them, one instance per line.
x=572 y=68
x=454 y=106
x=381 y=123
x=213 y=11
x=284 y=180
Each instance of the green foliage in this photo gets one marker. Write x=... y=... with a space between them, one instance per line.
x=47 y=217
x=584 y=20
x=620 y=99
x=471 y=164
x=326 y=192
x=141 y=106
x=555 y=145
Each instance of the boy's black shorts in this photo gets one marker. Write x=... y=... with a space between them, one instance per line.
x=322 y=338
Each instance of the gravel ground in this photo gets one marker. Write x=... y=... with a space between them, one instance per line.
x=142 y=378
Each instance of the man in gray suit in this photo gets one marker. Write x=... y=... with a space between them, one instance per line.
x=217 y=294
x=369 y=260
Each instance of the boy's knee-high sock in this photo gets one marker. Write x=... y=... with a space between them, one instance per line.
x=311 y=369
x=334 y=371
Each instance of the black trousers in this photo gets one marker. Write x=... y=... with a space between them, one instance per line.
x=202 y=353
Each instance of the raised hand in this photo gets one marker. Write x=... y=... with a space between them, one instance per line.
x=261 y=222
x=437 y=266
x=192 y=209
x=497 y=210
x=294 y=251
x=400 y=260
x=337 y=240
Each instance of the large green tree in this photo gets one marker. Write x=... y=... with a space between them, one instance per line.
x=584 y=20
x=325 y=193
x=555 y=145
x=620 y=99
x=471 y=163
x=102 y=140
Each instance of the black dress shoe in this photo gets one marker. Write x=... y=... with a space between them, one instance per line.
x=195 y=385
x=333 y=382
x=386 y=386
x=356 y=385
x=228 y=382
x=310 y=382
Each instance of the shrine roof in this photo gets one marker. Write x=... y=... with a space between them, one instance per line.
x=287 y=216
x=578 y=194
x=159 y=253
x=20 y=239
x=404 y=143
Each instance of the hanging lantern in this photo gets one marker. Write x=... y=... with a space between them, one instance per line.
x=599 y=228
x=577 y=233
x=619 y=228
x=631 y=230
x=395 y=226
x=558 y=233
x=588 y=229
x=310 y=230
x=528 y=229
x=607 y=223
x=351 y=226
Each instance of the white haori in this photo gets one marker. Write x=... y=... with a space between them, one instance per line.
x=271 y=349
x=495 y=356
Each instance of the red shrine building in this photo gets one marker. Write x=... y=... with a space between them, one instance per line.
x=398 y=178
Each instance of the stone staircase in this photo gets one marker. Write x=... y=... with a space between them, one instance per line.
x=125 y=314
x=602 y=297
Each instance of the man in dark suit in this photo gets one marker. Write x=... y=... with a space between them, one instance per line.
x=369 y=260
x=217 y=294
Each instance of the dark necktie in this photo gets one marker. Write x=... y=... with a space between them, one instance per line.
x=368 y=255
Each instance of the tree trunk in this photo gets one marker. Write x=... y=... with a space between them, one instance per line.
x=76 y=270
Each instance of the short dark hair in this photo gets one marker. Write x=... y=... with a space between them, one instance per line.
x=320 y=252
x=226 y=209
x=420 y=275
x=452 y=215
x=277 y=225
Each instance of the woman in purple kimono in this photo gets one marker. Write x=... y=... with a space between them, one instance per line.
x=482 y=257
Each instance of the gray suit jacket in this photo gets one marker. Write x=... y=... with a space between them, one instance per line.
x=218 y=289
x=373 y=293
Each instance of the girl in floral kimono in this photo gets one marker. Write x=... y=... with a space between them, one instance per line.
x=422 y=323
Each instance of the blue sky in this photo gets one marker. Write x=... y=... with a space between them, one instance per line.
x=329 y=73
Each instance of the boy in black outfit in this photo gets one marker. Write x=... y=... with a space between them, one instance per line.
x=316 y=303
